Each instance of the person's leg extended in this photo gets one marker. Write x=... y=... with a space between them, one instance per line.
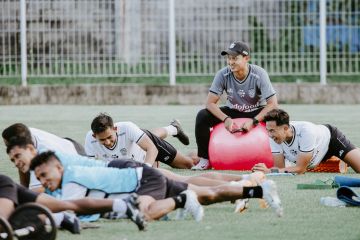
x=214 y=178
x=182 y=161
x=352 y=158
x=155 y=209
x=267 y=190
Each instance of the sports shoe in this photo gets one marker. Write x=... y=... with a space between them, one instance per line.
x=270 y=195
x=134 y=213
x=71 y=223
x=193 y=206
x=181 y=135
x=241 y=205
x=203 y=164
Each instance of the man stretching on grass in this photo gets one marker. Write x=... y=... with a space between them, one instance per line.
x=297 y=146
x=13 y=195
x=124 y=140
x=150 y=184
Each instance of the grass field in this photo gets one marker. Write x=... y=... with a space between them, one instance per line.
x=304 y=217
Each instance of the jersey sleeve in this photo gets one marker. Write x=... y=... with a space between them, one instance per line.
x=133 y=132
x=89 y=146
x=218 y=84
x=265 y=85
x=275 y=148
x=307 y=139
x=73 y=191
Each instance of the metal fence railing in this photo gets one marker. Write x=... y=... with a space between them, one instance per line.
x=131 y=37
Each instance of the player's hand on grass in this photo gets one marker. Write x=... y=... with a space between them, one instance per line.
x=260 y=167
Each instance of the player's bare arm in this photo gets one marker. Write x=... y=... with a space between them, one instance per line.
x=149 y=147
x=213 y=107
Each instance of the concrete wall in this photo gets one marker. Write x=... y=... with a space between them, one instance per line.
x=182 y=94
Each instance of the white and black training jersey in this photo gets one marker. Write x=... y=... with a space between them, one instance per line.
x=307 y=137
x=248 y=95
x=125 y=147
x=47 y=141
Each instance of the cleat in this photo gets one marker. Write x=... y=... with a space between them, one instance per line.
x=181 y=135
x=71 y=223
x=203 y=164
x=193 y=206
x=180 y=214
x=270 y=195
x=241 y=205
x=134 y=213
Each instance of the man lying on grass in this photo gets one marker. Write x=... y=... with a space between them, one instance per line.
x=298 y=145
x=158 y=195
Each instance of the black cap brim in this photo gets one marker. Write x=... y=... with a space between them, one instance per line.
x=229 y=52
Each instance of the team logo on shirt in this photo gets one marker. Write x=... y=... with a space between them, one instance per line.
x=251 y=93
x=230 y=90
x=293 y=152
x=123 y=151
x=241 y=93
x=114 y=156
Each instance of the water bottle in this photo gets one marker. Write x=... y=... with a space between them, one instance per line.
x=332 y=202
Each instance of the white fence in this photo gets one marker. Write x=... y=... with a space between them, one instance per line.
x=131 y=37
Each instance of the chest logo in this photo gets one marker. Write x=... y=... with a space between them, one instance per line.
x=241 y=93
x=123 y=151
x=251 y=93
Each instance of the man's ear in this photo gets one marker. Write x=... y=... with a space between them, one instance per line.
x=32 y=149
x=94 y=136
x=115 y=128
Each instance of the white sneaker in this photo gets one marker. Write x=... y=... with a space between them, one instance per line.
x=271 y=196
x=241 y=205
x=193 y=206
x=203 y=164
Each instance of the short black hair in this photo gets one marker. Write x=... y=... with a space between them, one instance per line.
x=279 y=116
x=16 y=130
x=20 y=142
x=42 y=158
x=101 y=122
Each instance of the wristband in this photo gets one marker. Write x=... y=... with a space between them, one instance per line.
x=274 y=170
x=226 y=118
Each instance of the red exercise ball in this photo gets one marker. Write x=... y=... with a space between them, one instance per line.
x=239 y=151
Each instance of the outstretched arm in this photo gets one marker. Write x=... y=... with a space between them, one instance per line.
x=81 y=206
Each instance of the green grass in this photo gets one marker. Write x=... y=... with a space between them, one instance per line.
x=304 y=217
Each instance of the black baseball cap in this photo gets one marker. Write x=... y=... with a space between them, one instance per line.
x=237 y=48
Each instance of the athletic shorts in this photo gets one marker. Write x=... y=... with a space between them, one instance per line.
x=166 y=152
x=339 y=145
x=15 y=192
x=78 y=147
x=153 y=183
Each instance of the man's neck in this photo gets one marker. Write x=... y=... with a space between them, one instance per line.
x=242 y=74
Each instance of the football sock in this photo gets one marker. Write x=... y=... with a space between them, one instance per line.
x=171 y=130
x=119 y=206
x=58 y=218
x=252 y=192
x=180 y=200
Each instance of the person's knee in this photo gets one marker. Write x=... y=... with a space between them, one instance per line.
x=202 y=116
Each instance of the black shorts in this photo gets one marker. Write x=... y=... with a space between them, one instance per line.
x=153 y=182
x=15 y=192
x=166 y=152
x=339 y=145
x=78 y=147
